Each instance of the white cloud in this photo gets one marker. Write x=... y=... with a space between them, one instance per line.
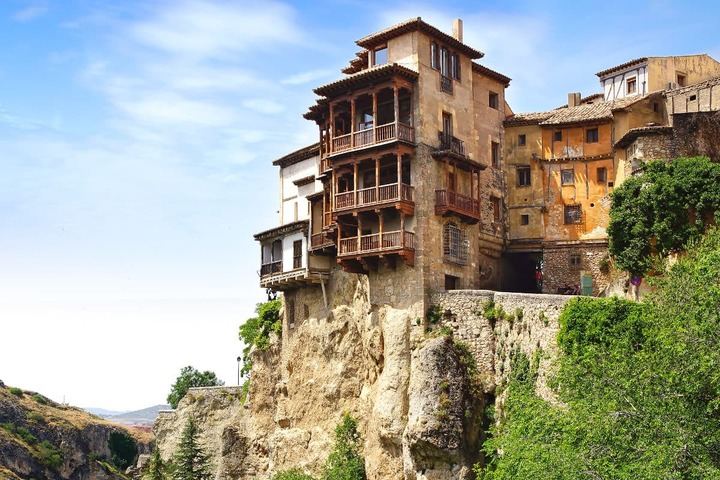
x=263 y=105
x=307 y=77
x=30 y=12
x=169 y=108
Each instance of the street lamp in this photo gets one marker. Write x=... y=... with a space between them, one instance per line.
x=239 y=359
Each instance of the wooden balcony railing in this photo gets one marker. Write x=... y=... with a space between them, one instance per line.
x=376 y=243
x=450 y=143
x=320 y=240
x=448 y=201
x=270 y=268
x=327 y=219
x=374 y=195
x=370 y=136
x=325 y=165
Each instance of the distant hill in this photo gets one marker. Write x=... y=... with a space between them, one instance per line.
x=47 y=440
x=102 y=412
x=144 y=417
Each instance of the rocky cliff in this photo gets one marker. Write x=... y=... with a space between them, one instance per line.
x=418 y=385
x=43 y=440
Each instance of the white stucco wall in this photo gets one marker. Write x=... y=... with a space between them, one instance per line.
x=614 y=84
x=291 y=194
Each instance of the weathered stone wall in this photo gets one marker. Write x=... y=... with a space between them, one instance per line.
x=559 y=272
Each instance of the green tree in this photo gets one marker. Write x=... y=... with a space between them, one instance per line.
x=659 y=211
x=345 y=461
x=255 y=332
x=292 y=474
x=190 y=462
x=638 y=383
x=190 y=377
x=123 y=449
x=156 y=469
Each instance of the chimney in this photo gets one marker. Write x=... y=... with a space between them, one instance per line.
x=458 y=29
x=574 y=99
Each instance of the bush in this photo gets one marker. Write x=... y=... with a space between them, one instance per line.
x=50 y=456
x=255 y=332
x=35 y=417
x=16 y=391
x=345 y=461
x=123 y=449
x=40 y=399
x=190 y=377
x=293 y=474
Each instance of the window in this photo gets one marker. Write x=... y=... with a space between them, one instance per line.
x=592 y=135
x=524 y=219
x=444 y=61
x=496 y=208
x=681 y=79
x=557 y=136
x=447 y=124
x=455 y=244
x=451 y=282
x=522 y=140
x=434 y=56
x=602 y=175
x=494 y=100
x=631 y=85
x=567 y=176
x=295 y=211
x=575 y=261
x=455 y=66
x=573 y=214
x=297 y=254
x=495 y=154
x=380 y=56
x=692 y=98
x=523 y=176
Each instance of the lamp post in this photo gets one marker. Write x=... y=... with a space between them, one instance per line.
x=239 y=359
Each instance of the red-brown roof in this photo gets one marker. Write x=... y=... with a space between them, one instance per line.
x=634 y=133
x=298 y=155
x=373 y=74
x=621 y=66
x=491 y=73
x=414 y=24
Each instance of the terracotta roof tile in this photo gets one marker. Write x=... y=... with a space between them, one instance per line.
x=532 y=118
x=298 y=155
x=491 y=73
x=689 y=88
x=634 y=133
x=370 y=74
x=602 y=73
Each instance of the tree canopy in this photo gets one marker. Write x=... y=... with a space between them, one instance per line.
x=190 y=377
x=660 y=210
x=255 y=332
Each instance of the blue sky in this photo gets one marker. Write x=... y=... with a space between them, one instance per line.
x=136 y=141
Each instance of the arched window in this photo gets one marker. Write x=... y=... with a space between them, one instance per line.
x=455 y=244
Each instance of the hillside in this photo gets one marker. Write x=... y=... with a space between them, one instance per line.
x=143 y=417
x=44 y=440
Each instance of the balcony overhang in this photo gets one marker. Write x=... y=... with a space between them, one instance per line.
x=293 y=279
x=366 y=78
x=282 y=230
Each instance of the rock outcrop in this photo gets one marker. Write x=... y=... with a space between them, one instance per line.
x=404 y=377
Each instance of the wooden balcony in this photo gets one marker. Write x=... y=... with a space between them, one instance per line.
x=395 y=242
x=449 y=202
x=279 y=280
x=270 y=268
x=322 y=240
x=390 y=132
x=375 y=196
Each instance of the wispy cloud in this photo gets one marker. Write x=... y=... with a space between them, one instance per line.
x=30 y=12
x=307 y=77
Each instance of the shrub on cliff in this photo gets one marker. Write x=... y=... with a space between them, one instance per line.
x=659 y=211
x=123 y=449
x=638 y=383
x=255 y=332
x=190 y=377
x=293 y=474
x=345 y=461
x=156 y=468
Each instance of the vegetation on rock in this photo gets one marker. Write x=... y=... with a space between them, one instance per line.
x=659 y=211
x=123 y=449
x=293 y=474
x=255 y=332
x=156 y=468
x=190 y=462
x=190 y=377
x=637 y=382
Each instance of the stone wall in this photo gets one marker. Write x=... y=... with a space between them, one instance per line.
x=558 y=271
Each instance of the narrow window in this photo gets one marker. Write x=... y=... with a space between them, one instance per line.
x=567 y=176
x=455 y=66
x=631 y=85
x=494 y=100
x=692 y=98
x=295 y=211
x=434 y=56
x=575 y=261
x=447 y=124
x=573 y=214
x=451 y=282
x=451 y=182
x=444 y=62
x=681 y=79
x=592 y=135
x=495 y=154
x=496 y=208
x=523 y=176
x=602 y=175
x=557 y=136
x=522 y=140
x=297 y=254
x=524 y=219
x=380 y=56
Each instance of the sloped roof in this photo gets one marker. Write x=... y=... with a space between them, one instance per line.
x=532 y=118
x=491 y=73
x=378 y=38
x=282 y=230
x=696 y=86
x=298 y=155
x=372 y=74
x=622 y=66
x=634 y=133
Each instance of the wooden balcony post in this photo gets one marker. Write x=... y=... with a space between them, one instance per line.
x=355 y=183
x=396 y=108
x=402 y=229
x=377 y=179
x=352 y=122
x=332 y=190
x=472 y=184
x=399 y=175
x=375 y=119
x=331 y=127
x=359 y=232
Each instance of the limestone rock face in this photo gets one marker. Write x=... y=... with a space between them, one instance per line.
x=355 y=350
